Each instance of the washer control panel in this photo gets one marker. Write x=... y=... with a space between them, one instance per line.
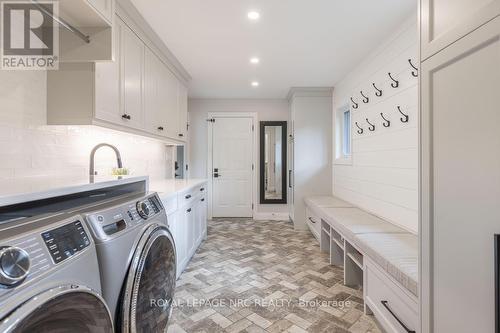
x=66 y=241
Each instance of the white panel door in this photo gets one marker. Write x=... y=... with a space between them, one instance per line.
x=461 y=183
x=232 y=167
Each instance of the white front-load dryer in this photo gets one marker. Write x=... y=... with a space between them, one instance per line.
x=49 y=278
x=137 y=261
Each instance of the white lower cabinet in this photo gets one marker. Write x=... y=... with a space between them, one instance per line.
x=395 y=309
x=188 y=223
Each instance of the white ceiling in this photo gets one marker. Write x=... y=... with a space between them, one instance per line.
x=299 y=42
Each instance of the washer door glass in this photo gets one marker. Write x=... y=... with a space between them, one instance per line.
x=149 y=306
x=69 y=311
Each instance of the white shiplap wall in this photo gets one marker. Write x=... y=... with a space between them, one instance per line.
x=34 y=154
x=383 y=177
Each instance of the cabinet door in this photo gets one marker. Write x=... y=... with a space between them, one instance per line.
x=204 y=215
x=460 y=183
x=190 y=231
x=183 y=111
x=154 y=108
x=170 y=102
x=107 y=83
x=175 y=230
x=445 y=21
x=132 y=69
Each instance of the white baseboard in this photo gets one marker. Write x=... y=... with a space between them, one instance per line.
x=271 y=216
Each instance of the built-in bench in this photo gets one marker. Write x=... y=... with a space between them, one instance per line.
x=375 y=254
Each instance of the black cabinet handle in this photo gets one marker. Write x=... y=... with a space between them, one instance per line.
x=160 y=128
x=126 y=116
x=386 y=305
x=181 y=135
x=202 y=189
x=188 y=211
x=290 y=178
x=188 y=196
x=310 y=219
x=202 y=199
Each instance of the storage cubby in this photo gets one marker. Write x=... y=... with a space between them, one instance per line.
x=353 y=265
x=325 y=237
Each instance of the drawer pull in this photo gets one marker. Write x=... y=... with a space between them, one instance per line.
x=188 y=196
x=188 y=211
x=202 y=199
x=386 y=305
x=202 y=189
x=311 y=219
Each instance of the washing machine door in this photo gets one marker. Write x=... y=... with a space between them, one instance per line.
x=150 y=285
x=68 y=308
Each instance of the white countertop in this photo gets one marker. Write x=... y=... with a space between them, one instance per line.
x=169 y=187
x=49 y=188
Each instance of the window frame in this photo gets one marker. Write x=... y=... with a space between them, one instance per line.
x=340 y=136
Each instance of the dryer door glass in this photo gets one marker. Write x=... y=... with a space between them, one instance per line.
x=76 y=312
x=150 y=304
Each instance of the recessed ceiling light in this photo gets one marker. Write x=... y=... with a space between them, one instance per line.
x=254 y=60
x=255 y=84
x=253 y=15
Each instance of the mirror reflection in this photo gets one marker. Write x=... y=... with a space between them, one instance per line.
x=273 y=162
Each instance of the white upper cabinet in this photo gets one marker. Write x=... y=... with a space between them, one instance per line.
x=183 y=111
x=108 y=85
x=170 y=101
x=446 y=21
x=132 y=69
x=135 y=93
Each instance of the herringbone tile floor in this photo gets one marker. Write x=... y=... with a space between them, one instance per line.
x=262 y=276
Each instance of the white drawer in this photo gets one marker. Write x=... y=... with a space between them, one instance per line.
x=383 y=296
x=313 y=222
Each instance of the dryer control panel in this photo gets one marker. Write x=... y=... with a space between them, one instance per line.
x=111 y=222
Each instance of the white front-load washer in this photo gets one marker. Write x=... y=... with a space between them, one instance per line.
x=137 y=261
x=49 y=277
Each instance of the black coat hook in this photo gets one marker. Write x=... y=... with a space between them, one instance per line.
x=365 y=98
x=379 y=91
x=360 y=130
x=405 y=116
x=372 y=126
x=394 y=84
x=387 y=122
x=415 y=72
x=354 y=104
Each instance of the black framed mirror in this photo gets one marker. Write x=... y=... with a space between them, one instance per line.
x=273 y=162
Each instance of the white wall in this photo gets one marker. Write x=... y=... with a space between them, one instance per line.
x=383 y=177
x=267 y=110
x=33 y=153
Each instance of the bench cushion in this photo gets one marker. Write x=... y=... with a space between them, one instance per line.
x=397 y=254
x=326 y=201
x=353 y=221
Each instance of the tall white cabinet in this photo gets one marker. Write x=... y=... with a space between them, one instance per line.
x=460 y=164
x=309 y=149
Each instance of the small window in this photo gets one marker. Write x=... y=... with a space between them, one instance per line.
x=346 y=140
x=343 y=145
